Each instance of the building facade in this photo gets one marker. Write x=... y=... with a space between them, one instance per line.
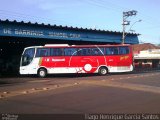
x=146 y=56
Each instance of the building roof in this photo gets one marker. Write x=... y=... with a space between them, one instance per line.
x=67 y=27
x=54 y=32
x=145 y=46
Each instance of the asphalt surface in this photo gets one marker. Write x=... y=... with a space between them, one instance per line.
x=72 y=94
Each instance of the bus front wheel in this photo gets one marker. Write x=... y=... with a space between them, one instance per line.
x=103 y=71
x=42 y=72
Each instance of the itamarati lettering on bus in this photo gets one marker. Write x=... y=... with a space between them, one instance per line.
x=56 y=60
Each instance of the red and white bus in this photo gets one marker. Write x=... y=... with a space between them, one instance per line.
x=64 y=58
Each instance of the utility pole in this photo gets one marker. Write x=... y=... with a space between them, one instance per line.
x=125 y=22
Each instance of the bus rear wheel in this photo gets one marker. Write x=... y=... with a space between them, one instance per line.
x=103 y=71
x=42 y=72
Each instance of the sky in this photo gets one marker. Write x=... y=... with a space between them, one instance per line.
x=95 y=14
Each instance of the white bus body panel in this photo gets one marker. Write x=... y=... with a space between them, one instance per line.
x=120 y=69
x=31 y=68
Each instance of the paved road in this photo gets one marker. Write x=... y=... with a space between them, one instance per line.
x=115 y=93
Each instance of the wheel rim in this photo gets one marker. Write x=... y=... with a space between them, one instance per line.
x=42 y=73
x=103 y=71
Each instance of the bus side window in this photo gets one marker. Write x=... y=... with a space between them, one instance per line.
x=107 y=51
x=85 y=52
x=56 y=52
x=70 y=51
x=42 y=52
x=102 y=50
x=123 y=50
x=111 y=51
x=97 y=52
x=115 y=50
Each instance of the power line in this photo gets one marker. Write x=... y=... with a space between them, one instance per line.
x=26 y=17
x=115 y=8
x=98 y=3
x=101 y=5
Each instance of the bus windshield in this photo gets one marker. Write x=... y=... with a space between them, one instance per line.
x=27 y=56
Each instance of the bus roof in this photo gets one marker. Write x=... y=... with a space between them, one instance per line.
x=73 y=46
x=66 y=45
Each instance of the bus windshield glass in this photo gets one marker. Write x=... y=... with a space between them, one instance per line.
x=27 y=56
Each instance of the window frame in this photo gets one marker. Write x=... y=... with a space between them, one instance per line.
x=48 y=52
x=75 y=51
x=105 y=53
x=62 y=52
x=125 y=49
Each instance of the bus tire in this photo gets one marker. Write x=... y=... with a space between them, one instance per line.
x=103 y=71
x=42 y=72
